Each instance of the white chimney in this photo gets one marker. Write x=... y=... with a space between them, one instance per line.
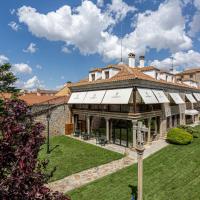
x=141 y=60
x=131 y=60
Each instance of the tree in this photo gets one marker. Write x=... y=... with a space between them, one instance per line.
x=21 y=174
x=7 y=79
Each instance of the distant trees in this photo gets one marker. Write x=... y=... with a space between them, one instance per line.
x=21 y=174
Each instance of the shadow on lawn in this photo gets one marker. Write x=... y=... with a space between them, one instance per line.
x=133 y=192
x=54 y=148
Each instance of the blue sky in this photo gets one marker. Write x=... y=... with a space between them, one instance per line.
x=50 y=43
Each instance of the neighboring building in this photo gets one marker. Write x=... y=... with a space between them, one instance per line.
x=64 y=91
x=41 y=105
x=38 y=92
x=190 y=77
x=112 y=99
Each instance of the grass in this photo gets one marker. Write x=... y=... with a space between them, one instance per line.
x=170 y=174
x=70 y=156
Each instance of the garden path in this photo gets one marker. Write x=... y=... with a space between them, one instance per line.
x=79 y=179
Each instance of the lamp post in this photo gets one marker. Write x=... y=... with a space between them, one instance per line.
x=48 y=120
x=140 y=150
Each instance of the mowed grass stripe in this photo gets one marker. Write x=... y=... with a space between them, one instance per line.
x=72 y=156
x=173 y=173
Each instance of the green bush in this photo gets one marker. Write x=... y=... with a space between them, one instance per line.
x=192 y=130
x=179 y=136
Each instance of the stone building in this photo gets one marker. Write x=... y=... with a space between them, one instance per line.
x=114 y=98
x=190 y=77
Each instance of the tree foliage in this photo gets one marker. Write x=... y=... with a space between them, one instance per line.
x=7 y=79
x=21 y=174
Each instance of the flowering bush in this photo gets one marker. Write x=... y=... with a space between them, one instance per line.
x=21 y=175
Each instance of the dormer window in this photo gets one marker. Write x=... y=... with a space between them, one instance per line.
x=107 y=75
x=93 y=77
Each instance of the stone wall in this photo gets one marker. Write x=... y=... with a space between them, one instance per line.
x=59 y=116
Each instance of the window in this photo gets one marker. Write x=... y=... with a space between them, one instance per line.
x=93 y=77
x=191 y=75
x=106 y=74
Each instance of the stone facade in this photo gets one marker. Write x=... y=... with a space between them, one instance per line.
x=59 y=117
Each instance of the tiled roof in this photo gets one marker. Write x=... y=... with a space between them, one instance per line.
x=5 y=95
x=128 y=73
x=33 y=99
x=96 y=70
x=189 y=71
x=148 y=68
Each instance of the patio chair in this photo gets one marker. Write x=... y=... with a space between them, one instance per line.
x=86 y=136
x=77 y=133
x=103 y=141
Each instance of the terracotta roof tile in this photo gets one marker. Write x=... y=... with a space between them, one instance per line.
x=189 y=71
x=128 y=73
x=148 y=68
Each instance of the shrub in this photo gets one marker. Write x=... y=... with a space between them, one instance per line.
x=179 y=136
x=192 y=130
x=21 y=175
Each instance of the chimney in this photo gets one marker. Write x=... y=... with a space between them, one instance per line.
x=131 y=60
x=141 y=60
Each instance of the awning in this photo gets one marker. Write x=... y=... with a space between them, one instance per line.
x=191 y=98
x=94 y=97
x=197 y=96
x=147 y=96
x=176 y=97
x=160 y=95
x=191 y=112
x=77 y=97
x=117 y=96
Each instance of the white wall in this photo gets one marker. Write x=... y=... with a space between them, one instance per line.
x=112 y=72
x=151 y=73
x=191 y=83
x=97 y=75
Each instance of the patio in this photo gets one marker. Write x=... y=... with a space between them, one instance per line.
x=129 y=152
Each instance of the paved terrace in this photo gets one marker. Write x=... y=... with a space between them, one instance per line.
x=79 y=179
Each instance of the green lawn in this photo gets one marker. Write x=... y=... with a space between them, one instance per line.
x=71 y=156
x=170 y=174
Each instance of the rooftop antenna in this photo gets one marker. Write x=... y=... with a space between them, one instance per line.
x=172 y=67
x=121 y=59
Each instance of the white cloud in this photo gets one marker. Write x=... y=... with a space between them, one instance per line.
x=70 y=26
x=155 y=30
x=3 y=59
x=62 y=77
x=31 y=48
x=89 y=29
x=32 y=83
x=189 y=59
x=65 y=49
x=100 y=3
x=21 y=68
x=119 y=9
x=195 y=23
x=14 y=26
x=12 y=11
x=38 y=66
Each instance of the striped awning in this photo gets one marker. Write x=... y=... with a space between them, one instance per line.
x=117 y=96
x=77 y=97
x=147 y=96
x=176 y=98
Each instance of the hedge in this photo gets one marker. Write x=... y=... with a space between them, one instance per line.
x=179 y=136
x=192 y=130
